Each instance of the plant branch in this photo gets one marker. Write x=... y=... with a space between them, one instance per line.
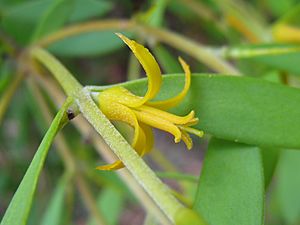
x=87 y=131
x=8 y=94
x=196 y=50
x=143 y=174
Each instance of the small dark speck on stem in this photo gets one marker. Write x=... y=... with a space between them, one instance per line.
x=70 y=114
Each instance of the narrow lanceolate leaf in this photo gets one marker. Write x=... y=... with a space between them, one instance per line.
x=55 y=210
x=231 y=186
x=246 y=110
x=288 y=185
x=19 y=207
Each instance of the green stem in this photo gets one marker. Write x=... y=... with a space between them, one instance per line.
x=70 y=85
x=87 y=131
x=194 y=49
x=143 y=174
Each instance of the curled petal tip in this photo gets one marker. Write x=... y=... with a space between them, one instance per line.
x=102 y=168
x=177 y=139
x=125 y=39
x=114 y=166
x=184 y=65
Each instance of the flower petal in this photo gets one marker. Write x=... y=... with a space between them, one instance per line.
x=120 y=95
x=119 y=112
x=159 y=123
x=150 y=66
x=138 y=144
x=168 y=116
x=169 y=103
x=149 y=137
x=187 y=140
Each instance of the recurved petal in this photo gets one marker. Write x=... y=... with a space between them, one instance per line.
x=150 y=66
x=187 y=140
x=119 y=112
x=113 y=166
x=171 y=102
x=149 y=137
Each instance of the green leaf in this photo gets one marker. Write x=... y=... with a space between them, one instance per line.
x=88 y=44
x=55 y=209
x=241 y=109
x=21 y=20
x=19 y=207
x=231 y=186
x=288 y=186
x=110 y=203
x=86 y=9
x=54 y=18
x=270 y=158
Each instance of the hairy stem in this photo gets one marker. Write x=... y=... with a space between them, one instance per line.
x=143 y=174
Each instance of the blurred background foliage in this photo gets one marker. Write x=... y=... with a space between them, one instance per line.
x=260 y=38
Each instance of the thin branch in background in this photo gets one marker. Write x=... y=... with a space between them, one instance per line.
x=202 y=53
x=6 y=98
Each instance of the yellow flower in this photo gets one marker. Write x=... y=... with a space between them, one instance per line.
x=119 y=104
